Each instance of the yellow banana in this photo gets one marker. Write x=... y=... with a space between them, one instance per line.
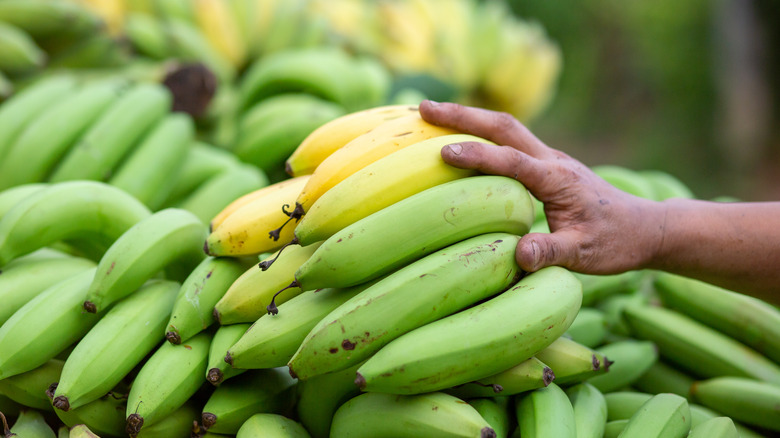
x=217 y=23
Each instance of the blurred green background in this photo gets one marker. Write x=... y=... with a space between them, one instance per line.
x=690 y=87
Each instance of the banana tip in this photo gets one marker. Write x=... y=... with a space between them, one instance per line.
x=292 y=372
x=51 y=390
x=229 y=358
x=547 y=376
x=288 y=168
x=208 y=419
x=134 y=424
x=61 y=402
x=487 y=432
x=215 y=376
x=90 y=307
x=206 y=244
x=217 y=316
x=173 y=338
x=360 y=381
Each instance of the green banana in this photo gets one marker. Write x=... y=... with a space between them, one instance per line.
x=188 y=43
x=666 y=185
x=271 y=426
x=661 y=377
x=31 y=424
x=719 y=427
x=697 y=348
x=44 y=18
x=118 y=342
x=6 y=87
x=150 y=172
x=37 y=150
x=11 y=196
x=596 y=288
x=589 y=327
x=663 y=416
x=743 y=399
x=502 y=331
x=217 y=368
x=177 y=424
x=621 y=405
x=10 y=407
x=495 y=411
x=230 y=405
x=18 y=51
x=613 y=429
x=199 y=292
x=167 y=237
x=104 y=416
x=95 y=212
x=320 y=397
x=453 y=278
x=613 y=306
x=146 y=35
x=629 y=359
x=29 y=388
x=63 y=432
x=625 y=179
x=572 y=362
x=528 y=375
x=430 y=220
x=25 y=277
x=590 y=410
x=45 y=326
x=201 y=163
x=250 y=296
x=747 y=319
x=546 y=412
x=81 y=431
x=434 y=414
x=166 y=381
x=114 y=134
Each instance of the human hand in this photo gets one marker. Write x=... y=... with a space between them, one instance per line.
x=595 y=228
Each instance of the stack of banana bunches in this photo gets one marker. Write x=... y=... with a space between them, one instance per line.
x=374 y=293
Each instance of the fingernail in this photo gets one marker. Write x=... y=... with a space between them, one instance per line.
x=536 y=254
x=455 y=148
x=433 y=102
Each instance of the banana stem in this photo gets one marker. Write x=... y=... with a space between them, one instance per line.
x=265 y=264
x=271 y=308
x=297 y=213
x=6 y=431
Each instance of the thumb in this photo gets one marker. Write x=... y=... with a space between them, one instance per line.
x=538 y=250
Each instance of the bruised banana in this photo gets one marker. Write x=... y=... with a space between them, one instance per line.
x=381 y=184
x=743 y=399
x=628 y=360
x=217 y=369
x=546 y=412
x=168 y=237
x=452 y=278
x=320 y=397
x=572 y=362
x=663 y=416
x=271 y=426
x=416 y=226
x=501 y=332
x=29 y=388
x=590 y=410
x=528 y=375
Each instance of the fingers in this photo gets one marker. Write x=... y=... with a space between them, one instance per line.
x=538 y=250
x=498 y=127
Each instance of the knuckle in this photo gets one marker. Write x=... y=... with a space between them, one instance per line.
x=504 y=121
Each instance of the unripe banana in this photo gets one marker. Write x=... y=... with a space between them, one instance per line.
x=18 y=51
x=429 y=220
x=45 y=326
x=320 y=397
x=177 y=424
x=621 y=405
x=81 y=431
x=29 y=388
x=661 y=377
x=528 y=375
x=454 y=278
x=434 y=414
x=271 y=426
x=546 y=412
x=104 y=416
x=502 y=331
x=743 y=399
x=10 y=197
x=666 y=185
x=572 y=362
x=70 y=210
x=168 y=237
x=626 y=179
x=589 y=327
x=380 y=184
x=11 y=408
x=41 y=18
x=663 y=416
x=596 y=288
x=496 y=412
x=613 y=429
x=217 y=368
x=590 y=410
x=201 y=163
x=629 y=359
x=31 y=424
x=719 y=427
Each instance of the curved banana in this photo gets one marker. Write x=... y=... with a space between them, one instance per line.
x=320 y=397
x=41 y=18
x=628 y=360
x=572 y=362
x=661 y=377
x=179 y=423
x=18 y=51
x=29 y=388
x=201 y=163
x=743 y=399
x=146 y=35
x=188 y=43
x=596 y=288
x=664 y=415
x=590 y=410
x=380 y=184
x=416 y=226
x=332 y=136
x=621 y=405
x=496 y=412
x=453 y=278
x=271 y=426
x=217 y=369
x=533 y=313
x=589 y=327
x=221 y=28
x=32 y=424
x=104 y=416
x=614 y=428
x=546 y=412
x=167 y=237
x=719 y=427
x=528 y=375
x=12 y=196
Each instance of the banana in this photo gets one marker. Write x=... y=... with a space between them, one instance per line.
x=613 y=307
x=596 y=288
x=271 y=130
x=98 y=51
x=629 y=359
x=666 y=185
x=31 y=424
x=230 y=405
x=454 y=278
x=104 y=416
x=45 y=326
x=572 y=362
x=115 y=345
x=150 y=172
x=146 y=35
x=744 y=318
x=320 y=397
x=44 y=18
x=193 y=309
x=18 y=51
x=25 y=106
x=380 y=184
x=81 y=431
x=589 y=327
x=253 y=293
x=331 y=136
x=613 y=429
x=719 y=427
x=63 y=432
x=743 y=399
x=217 y=369
x=435 y=414
x=495 y=411
x=528 y=375
x=36 y=151
x=696 y=348
x=29 y=388
x=626 y=179
x=201 y=163
x=245 y=230
x=188 y=43
x=271 y=426
x=220 y=27
x=174 y=10
x=381 y=141
x=7 y=87
x=664 y=415
x=546 y=412
x=102 y=147
x=621 y=405
x=590 y=410
x=661 y=377
x=12 y=196
x=221 y=189
x=166 y=381
x=167 y=237
x=177 y=424
x=531 y=315
x=26 y=277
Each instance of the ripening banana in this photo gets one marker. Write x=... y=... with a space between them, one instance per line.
x=661 y=377
x=29 y=388
x=104 y=416
x=628 y=360
x=45 y=326
x=42 y=18
x=434 y=414
x=18 y=51
x=12 y=196
x=32 y=424
x=271 y=426
x=168 y=379
x=97 y=211
x=81 y=431
x=201 y=163
x=453 y=278
x=193 y=310
x=664 y=415
x=97 y=153
x=166 y=238
x=743 y=399
x=528 y=375
x=320 y=397
x=501 y=332
x=718 y=427
x=179 y=423
x=230 y=405
x=188 y=43
x=380 y=184
x=589 y=327
x=219 y=25
x=245 y=230
x=418 y=225
x=496 y=412
x=331 y=136
x=115 y=345
x=590 y=410
x=572 y=362
x=546 y=412
x=217 y=369
x=250 y=296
